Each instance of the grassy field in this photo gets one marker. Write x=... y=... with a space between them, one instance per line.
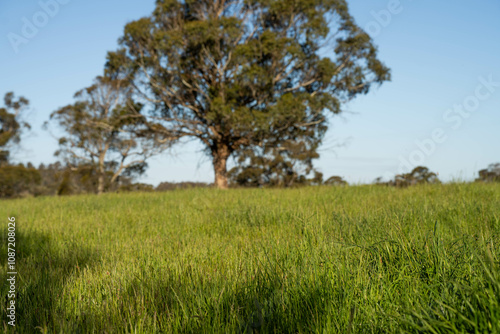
x=363 y=259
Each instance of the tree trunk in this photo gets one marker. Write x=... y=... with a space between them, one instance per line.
x=220 y=155
x=100 y=177
x=100 y=184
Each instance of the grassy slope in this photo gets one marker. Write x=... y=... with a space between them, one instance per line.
x=357 y=259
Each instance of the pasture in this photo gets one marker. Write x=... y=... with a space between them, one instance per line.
x=359 y=259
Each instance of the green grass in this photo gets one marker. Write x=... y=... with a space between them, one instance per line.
x=364 y=259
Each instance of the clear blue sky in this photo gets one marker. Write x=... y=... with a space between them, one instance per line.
x=437 y=51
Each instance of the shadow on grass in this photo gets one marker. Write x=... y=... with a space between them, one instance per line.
x=180 y=307
x=43 y=268
x=160 y=301
x=187 y=301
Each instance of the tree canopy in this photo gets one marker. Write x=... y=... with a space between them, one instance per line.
x=10 y=123
x=419 y=175
x=490 y=174
x=259 y=75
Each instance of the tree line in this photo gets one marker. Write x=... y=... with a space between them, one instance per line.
x=87 y=167
x=254 y=81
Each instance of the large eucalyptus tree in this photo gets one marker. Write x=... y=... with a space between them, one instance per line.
x=242 y=75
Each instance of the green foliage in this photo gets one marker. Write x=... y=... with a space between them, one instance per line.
x=166 y=186
x=10 y=124
x=335 y=181
x=419 y=175
x=282 y=166
x=58 y=179
x=65 y=188
x=490 y=174
x=85 y=178
x=246 y=76
x=361 y=259
x=18 y=181
x=142 y=187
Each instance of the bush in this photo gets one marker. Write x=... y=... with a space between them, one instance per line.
x=136 y=187
x=165 y=186
x=18 y=181
x=419 y=175
x=335 y=181
x=490 y=174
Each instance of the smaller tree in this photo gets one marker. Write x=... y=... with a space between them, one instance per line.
x=490 y=174
x=10 y=124
x=419 y=175
x=335 y=181
x=105 y=133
